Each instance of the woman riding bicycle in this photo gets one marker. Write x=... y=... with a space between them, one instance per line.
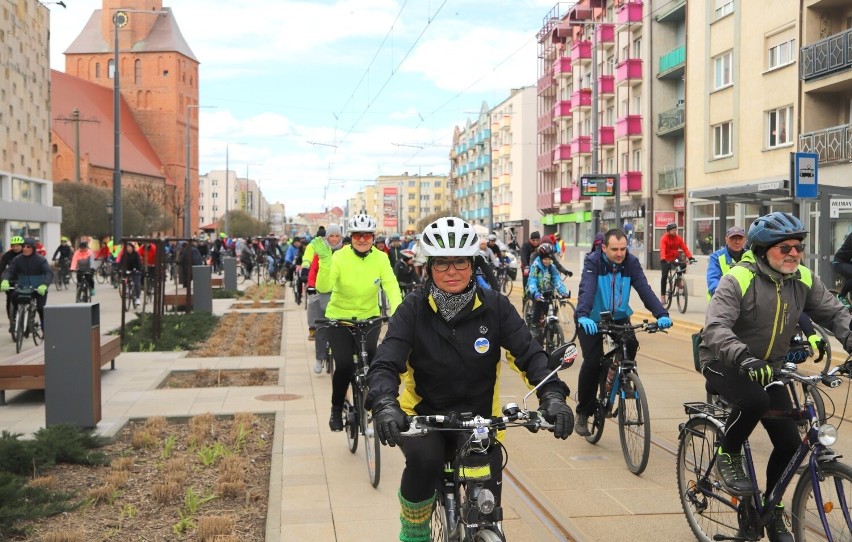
x=750 y=320
x=447 y=338
x=355 y=275
x=83 y=262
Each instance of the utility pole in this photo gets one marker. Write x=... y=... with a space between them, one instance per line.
x=75 y=118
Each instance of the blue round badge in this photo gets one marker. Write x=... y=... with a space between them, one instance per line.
x=481 y=345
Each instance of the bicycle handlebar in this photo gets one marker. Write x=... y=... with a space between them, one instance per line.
x=363 y=324
x=611 y=328
x=423 y=425
x=830 y=379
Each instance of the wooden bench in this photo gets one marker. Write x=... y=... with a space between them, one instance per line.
x=217 y=282
x=176 y=300
x=25 y=371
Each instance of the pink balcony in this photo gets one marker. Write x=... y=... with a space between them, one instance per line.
x=629 y=126
x=575 y=194
x=562 y=153
x=581 y=145
x=629 y=70
x=606 y=85
x=544 y=122
x=581 y=50
x=606 y=136
x=545 y=82
x=630 y=13
x=581 y=98
x=631 y=182
x=544 y=162
x=544 y=201
x=565 y=195
x=606 y=33
x=562 y=67
x=562 y=109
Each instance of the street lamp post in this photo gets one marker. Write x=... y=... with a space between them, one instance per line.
x=109 y=209
x=119 y=20
x=187 y=225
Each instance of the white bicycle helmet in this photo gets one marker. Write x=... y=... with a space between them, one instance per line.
x=449 y=236
x=362 y=222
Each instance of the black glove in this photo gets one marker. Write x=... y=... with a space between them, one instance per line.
x=692 y=260
x=390 y=420
x=757 y=370
x=556 y=411
x=569 y=273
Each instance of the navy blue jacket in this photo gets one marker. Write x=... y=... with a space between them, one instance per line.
x=605 y=286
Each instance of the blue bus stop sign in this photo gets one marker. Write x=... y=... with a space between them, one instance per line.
x=805 y=174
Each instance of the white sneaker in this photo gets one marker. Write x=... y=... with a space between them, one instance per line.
x=318 y=367
x=136 y=303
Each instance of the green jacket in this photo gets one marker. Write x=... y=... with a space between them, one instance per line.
x=354 y=284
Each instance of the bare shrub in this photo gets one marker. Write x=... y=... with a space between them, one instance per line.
x=156 y=424
x=43 y=482
x=231 y=490
x=118 y=478
x=210 y=527
x=165 y=493
x=121 y=463
x=142 y=439
x=65 y=536
x=102 y=494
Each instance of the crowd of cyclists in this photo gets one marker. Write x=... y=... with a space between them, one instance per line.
x=449 y=324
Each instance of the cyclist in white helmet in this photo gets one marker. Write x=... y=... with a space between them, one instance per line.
x=354 y=275
x=447 y=337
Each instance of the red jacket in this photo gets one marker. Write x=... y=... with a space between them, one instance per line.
x=669 y=246
x=149 y=254
x=312 y=272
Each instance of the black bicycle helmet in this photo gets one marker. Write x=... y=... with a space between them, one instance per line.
x=671 y=226
x=774 y=228
x=545 y=250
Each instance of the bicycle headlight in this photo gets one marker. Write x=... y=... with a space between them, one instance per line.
x=827 y=434
x=486 y=502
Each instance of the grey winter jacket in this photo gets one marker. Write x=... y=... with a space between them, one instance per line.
x=755 y=310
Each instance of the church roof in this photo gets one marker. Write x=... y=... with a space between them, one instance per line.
x=165 y=36
x=97 y=130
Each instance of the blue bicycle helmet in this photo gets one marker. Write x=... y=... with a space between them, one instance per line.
x=774 y=228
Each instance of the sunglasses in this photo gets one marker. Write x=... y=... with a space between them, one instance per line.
x=460 y=264
x=359 y=236
x=786 y=249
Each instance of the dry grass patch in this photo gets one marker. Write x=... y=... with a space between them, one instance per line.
x=237 y=335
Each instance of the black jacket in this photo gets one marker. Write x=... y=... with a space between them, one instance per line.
x=844 y=253
x=455 y=367
x=32 y=271
x=527 y=250
x=7 y=258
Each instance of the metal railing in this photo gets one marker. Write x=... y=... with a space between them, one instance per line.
x=672 y=119
x=670 y=179
x=831 y=144
x=826 y=56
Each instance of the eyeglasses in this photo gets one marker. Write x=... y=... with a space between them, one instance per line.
x=29 y=247
x=460 y=264
x=359 y=236
x=786 y=249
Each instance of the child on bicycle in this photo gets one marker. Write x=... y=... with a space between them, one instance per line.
x=544 y=280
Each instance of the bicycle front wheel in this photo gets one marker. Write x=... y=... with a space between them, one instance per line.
x=101 y=275
x=350 y=420
x=485 y=535
x=506 y=285
x=634 y=423
x=682 y=294
x=35 y=327
x=438 y=522
x=553 y=338
x=372 y=445
x=671 y=292
x=835 y=488
x=706 y=505
x=21 y=326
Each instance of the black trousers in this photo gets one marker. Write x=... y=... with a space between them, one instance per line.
x=343 y=347
x=591 y=371
x=424 y=465
x=750 y=401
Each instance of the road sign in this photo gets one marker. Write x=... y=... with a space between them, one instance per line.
x=805 y=174
x=838 y=205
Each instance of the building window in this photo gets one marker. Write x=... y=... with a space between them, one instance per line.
x=722 y=137
x=137 y=71
x=782 y=54
x=779 y=126
x=110 y=68
x=724 y=7
x=97 y=70
x=722 y=71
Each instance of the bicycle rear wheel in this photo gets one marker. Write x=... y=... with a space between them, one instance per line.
x=350 y=419
x=58 y=281
x=835 y=488
x=566 y=319
x=682 y=294
x=101 y=275
x=634 y=423
x=372 y=445
x=597 y=420
x=438 y=522
x=706 y=505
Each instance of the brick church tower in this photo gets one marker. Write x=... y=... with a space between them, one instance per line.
x=158 y=81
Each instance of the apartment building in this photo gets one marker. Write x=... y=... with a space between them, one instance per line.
x=471 y=169
x=213 y=190
x=26 y=193
x=594 y=104
x=398 y=202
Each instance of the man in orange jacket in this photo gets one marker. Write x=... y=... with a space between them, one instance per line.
x=670 y=245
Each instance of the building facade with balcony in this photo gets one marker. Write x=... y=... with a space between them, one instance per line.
x=213 y=191
x=471 y=169
x=595 y=96
x=513 y=162
x=26 y=192
x=825 y=70
x=743 y=106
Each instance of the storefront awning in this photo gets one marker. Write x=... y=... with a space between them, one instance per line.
x=769 y=190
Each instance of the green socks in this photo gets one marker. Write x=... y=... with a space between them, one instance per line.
x=414 y=520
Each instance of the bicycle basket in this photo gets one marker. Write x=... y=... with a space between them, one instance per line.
x=473 y=467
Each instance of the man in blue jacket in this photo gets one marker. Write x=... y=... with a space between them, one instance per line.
x=725 y=258
x=608 y=275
